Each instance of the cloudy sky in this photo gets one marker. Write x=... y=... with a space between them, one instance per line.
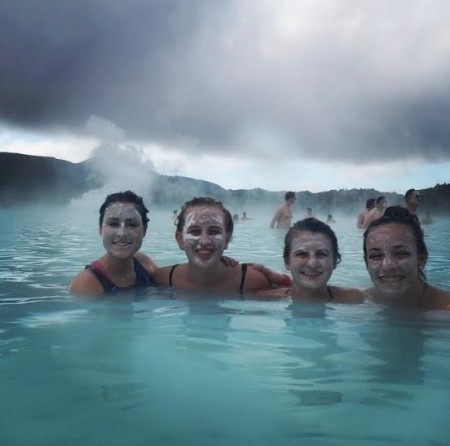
x=279 y=94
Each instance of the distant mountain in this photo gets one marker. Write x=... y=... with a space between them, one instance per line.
x=26 y=179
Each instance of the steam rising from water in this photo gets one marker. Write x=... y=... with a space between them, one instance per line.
x=120 y=165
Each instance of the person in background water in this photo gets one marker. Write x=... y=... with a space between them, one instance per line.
x=174 y=214
x=204 y=230
x=376 y=212
x=282 y=218
x=309 y=213
x=413 y=199
x=427 y=218
x=361 y=219
x=330 y=219
x=311 y=253
x=244 y=216
x=395 y=254
x=122 y=225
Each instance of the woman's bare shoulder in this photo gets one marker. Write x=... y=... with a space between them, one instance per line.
x=438 y=298
x=85 y=284
x=162 y=275
x=348 y=295
x=254 y=280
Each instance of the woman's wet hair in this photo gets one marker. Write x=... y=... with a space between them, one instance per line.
x=125 y=197
x=400 y=215
x=209 y=202
x=315 y=226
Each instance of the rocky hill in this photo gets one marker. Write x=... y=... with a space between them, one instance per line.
x=28 y=179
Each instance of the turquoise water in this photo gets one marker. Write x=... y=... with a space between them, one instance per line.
x=162 y=371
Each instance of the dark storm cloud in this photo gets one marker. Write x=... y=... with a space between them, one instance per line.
x=341 y=80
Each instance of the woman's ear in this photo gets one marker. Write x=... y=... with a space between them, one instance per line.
x=286 y=264
x=100 y=230
x=422 y=261
x=228 y=238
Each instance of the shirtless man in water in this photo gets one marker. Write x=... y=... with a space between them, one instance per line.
x=413 y=199
x=361 y=220
x=377 y=212
x=282 y=218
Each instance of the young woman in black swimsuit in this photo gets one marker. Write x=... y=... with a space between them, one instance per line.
x=122 y=226
x=311 y=254
x=396 y=255
x=204 y=230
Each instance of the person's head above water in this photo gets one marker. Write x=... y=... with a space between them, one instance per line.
x=395 y=252
x=400 y=216
x=289 y=196
x=314 y=226
x=204 y=230
x=370 y=203
x=311 y=253
x=125 y=197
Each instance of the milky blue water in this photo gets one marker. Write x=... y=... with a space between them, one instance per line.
x=210 y=371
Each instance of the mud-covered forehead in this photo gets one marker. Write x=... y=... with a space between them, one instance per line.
x=122 y=211
x=204 y=215
x=386 y=237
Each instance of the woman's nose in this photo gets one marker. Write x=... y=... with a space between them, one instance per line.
x=312 y=260
x=121 y=230
x=204 y=238
x=388 y=262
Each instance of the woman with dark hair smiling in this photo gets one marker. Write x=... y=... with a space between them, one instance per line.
x=311 y=253
x=123 y=224
x=204 y=230
x=396 y=255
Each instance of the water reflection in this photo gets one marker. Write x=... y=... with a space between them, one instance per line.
x=312 y=369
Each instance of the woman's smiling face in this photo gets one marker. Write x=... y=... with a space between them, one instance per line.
x=203 y=237
x=311 y=260
x=392 y=259
x=122 y=230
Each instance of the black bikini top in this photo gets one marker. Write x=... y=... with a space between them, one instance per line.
x=241 y=285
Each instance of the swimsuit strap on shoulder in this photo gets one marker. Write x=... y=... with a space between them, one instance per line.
x=243 y=274
x=171 y=274
x=99 y=272
x=143 y=277
x=329 y=294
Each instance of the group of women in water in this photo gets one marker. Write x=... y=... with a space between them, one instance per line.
x=395 y=254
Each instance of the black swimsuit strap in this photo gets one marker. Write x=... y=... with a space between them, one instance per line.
x=329 y=294
x=107 y=285
x=143 y=277
x=243 y=274
x=171 y=275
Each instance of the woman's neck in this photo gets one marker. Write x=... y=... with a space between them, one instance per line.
x=413 y=297
x=117 y=267
x=322 y=293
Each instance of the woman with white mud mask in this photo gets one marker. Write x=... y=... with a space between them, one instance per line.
x=122 y=226
x=396 y=255
x=311 y=254
x=204 y=230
